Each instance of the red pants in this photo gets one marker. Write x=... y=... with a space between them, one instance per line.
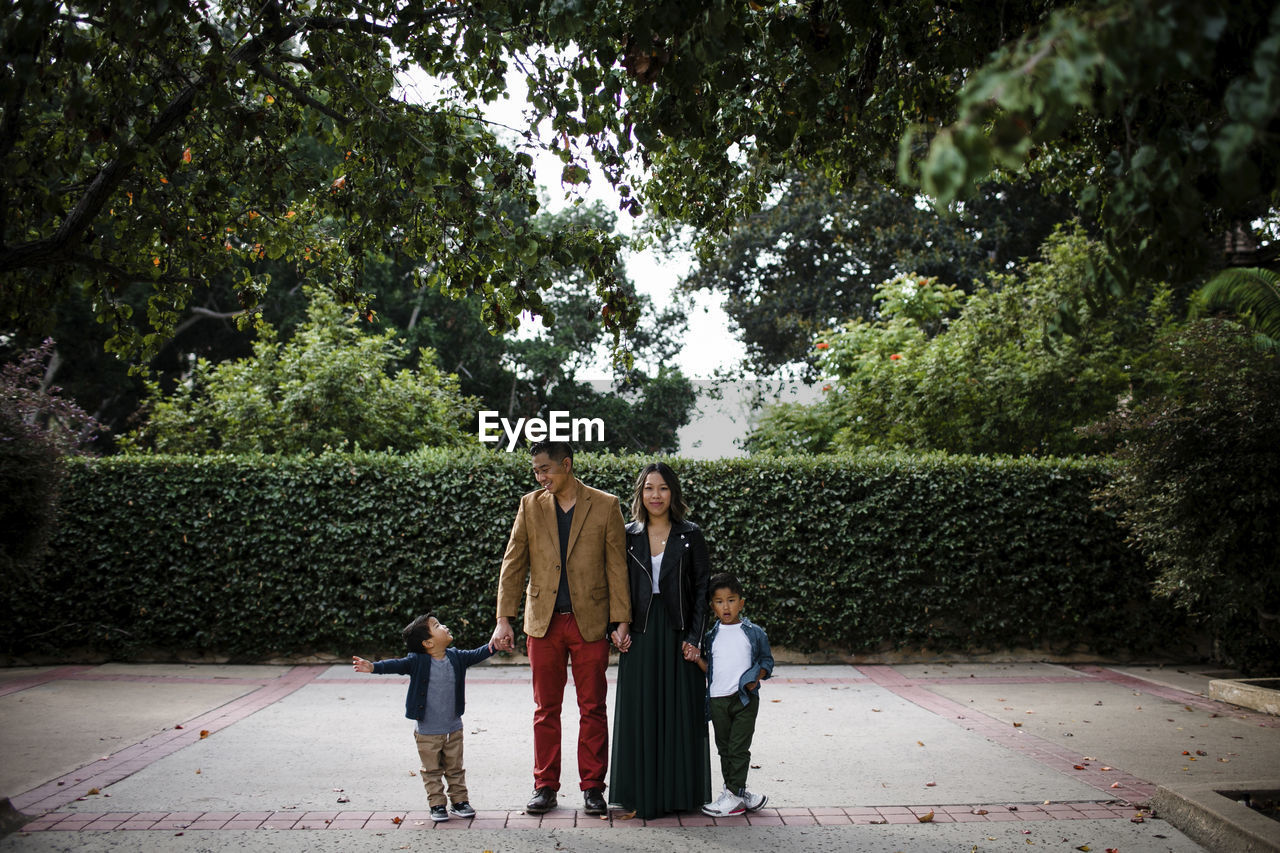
x=550 y=657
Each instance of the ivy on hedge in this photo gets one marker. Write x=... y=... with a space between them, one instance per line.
x=256 y=556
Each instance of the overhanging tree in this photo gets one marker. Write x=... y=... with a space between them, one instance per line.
x=168 y=143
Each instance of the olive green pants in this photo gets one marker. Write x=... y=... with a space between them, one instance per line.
x=734 y=725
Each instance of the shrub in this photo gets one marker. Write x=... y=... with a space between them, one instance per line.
x=37 y=428
x=253 y=556
x=1199 y=491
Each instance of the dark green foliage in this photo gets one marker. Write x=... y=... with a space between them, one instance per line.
x=1200 y=486
x=255 y=556
x=37 y=428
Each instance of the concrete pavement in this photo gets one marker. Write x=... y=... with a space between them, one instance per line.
x=1004 y=756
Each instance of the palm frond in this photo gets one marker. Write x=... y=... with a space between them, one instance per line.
x=1250 y=294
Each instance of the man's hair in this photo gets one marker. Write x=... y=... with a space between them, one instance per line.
x=724 y=580
x=678 y=508
x=418 y=632
x=557 y=450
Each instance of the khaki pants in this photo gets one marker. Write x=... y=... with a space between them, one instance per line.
x=442 y=756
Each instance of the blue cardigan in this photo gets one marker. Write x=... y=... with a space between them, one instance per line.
x=418 y=667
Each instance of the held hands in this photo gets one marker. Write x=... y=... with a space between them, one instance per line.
x=362 y=665
x=504 y=639
x=621 y=637
x=691 y=652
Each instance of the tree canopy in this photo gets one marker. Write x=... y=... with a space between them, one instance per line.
x=164 y=143
x=812 y=259
x=169 y=143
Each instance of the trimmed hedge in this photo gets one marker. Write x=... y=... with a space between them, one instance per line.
x=255 y=556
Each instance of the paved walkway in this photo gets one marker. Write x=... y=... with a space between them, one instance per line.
x=910 y=757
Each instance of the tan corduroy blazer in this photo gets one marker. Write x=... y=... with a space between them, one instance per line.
x=596 y=563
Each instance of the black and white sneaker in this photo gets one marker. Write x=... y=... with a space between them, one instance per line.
x=439 y=813
x=463 y=809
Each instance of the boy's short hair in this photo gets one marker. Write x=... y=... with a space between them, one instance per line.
x=724 y=580
x=558 y=451
x=418 y=632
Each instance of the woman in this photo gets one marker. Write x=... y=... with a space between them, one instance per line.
x=661 y=760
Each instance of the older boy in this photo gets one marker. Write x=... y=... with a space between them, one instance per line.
x=737 y=659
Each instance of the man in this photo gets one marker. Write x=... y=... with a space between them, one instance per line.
x=567 y=551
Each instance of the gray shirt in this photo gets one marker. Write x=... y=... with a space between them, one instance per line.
x=440 y=718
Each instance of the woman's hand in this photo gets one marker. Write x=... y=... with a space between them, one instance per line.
x=691 y=652
x=621 y=639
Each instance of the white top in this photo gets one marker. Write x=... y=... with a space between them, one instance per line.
x=731 y=656
x=656 y=560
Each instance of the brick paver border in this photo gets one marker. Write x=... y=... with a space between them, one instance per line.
x=1122 y=790
x=567 y=819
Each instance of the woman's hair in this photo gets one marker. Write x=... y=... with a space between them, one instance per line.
x=678 y=508
x=417 y=632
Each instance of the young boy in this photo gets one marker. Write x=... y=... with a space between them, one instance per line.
x=737 y=659
x=437 y=676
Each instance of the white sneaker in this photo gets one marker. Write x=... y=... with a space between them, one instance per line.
x=727 y=804
x=753 y=802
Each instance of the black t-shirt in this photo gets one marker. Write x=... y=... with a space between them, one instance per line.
x=564 y=521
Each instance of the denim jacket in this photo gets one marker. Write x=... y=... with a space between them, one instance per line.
x=418 y=667
x=761 y=658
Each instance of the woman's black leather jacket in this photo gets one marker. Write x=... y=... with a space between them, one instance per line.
x=682 y=580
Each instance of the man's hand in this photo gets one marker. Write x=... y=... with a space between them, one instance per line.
x=504 y=639
x=621 y=637
x=362 y=665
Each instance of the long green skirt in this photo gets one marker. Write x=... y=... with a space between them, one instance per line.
x=661 y=755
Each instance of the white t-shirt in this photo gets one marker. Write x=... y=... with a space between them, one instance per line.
x=656 y=561
x=730 y=655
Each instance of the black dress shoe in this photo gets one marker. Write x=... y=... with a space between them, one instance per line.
x=593 y=802
x=544 y=800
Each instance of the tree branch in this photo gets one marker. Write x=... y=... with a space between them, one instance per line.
x=114 y=171
x=286 y=84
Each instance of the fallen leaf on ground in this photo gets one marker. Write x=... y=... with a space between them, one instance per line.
x=627 y=816
x=397 y=820
x=925 y=818
x=1017 y=725
x=1115 y=784
x=94 y=791
x=931 y=784
x=980 y=811
x=919 y=743
x=1078 y=766
x=204 y=733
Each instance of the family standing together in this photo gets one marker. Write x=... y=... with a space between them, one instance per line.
x=687 y=655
